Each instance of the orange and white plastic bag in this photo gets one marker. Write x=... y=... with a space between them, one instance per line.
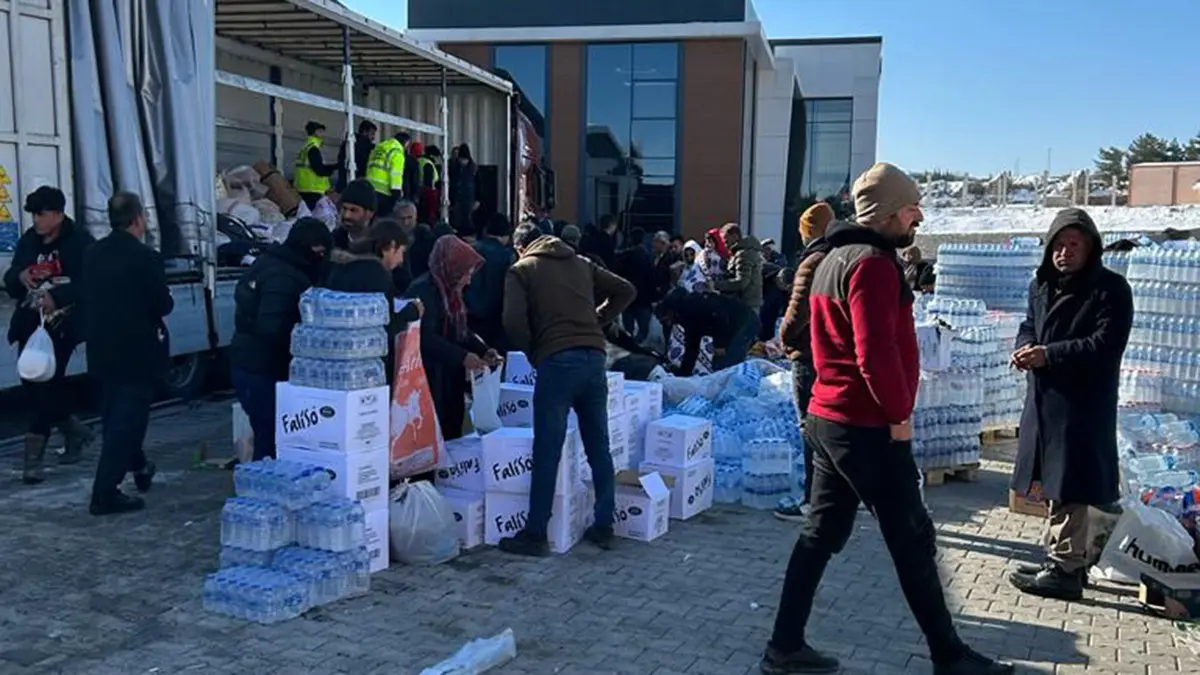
x=416 y=444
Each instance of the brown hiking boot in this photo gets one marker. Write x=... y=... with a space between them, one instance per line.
x=77 y=437
x=35 y=450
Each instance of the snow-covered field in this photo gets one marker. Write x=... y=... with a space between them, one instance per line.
x=970 y=220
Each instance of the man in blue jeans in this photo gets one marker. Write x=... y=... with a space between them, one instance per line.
x=550 y=313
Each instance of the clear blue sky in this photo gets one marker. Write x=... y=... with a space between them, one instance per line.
x=980 y=86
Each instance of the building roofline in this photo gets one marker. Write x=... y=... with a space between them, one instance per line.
x=815 y=42
x=1179 y=163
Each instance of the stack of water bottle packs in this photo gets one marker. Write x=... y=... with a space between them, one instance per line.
x=340 y=340
x=997 y=274
x=1160 y=456
x=1165 y=338
x=1004 y=386
x=756 y=444
x=948 y=416
x=287 y=544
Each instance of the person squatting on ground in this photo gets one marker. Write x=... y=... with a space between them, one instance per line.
x=795 y=334
x=1070 y=344
x=865 y=356
x=46 y=279
x=551 y=314
x=266 y=309
x=732 y=326
x=125 y=300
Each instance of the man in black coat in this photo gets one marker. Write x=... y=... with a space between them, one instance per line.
x=1071 y=344
x=732 y=326
x=125 y=301
x=266 y=309
x=485 y=295
x=45 y=279
x=636 y=265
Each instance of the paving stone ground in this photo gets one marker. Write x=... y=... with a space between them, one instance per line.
x=122 y=595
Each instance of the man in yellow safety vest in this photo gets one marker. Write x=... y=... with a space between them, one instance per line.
x=385 y=172
x=312 y=176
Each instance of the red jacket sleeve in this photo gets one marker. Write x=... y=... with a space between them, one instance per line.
x=874 y=296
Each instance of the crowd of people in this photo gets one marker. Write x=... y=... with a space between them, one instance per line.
x=556 y=292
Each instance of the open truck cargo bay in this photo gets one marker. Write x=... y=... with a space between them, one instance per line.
x=271 y=67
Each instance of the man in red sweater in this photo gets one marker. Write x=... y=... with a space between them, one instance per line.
x=867 y=366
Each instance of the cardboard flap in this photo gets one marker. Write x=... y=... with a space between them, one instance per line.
x=654 y=486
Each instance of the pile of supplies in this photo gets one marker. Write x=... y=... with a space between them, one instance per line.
x=996 y=274
x=1165 y=339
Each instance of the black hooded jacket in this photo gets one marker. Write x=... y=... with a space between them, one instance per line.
x=66 y=251
x=1068 y=427
x=704 y=314
x=267 y=308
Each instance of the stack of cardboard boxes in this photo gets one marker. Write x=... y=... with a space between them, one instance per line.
x=346 y=432
x=679 y=448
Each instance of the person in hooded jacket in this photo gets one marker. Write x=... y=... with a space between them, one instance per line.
x=1070 y=344
x=635 y=264
x=732 y=326
x=744 y=271
x=485 y=295
x=550 y=313
x=266 y=309
x=450 y=350
x=797 y=340
x=364 y=143
x=600 y=241
x=45 y=279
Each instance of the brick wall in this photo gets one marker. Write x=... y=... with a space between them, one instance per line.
x=566 y=124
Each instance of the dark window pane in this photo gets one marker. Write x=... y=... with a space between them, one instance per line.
x=653 y=138
x=527 y=65
x=830 y=110
x=656 y=61
x=609 y=94
x=654 y=99
x=657 y=167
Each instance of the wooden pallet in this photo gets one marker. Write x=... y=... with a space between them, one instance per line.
x=965 y=473
x=998 y=435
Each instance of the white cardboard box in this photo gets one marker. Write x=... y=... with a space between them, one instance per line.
x=692 y=486
x=508 y=461
x=678 y=440
x=324 y=419
x=643 y=504
x=616 y=393
x=618 y=447
x=468 y=515
x=465 y=465
x=362 y=476
x=377 y=540
x=507 y=514
x=516 y=406
x=934 y=343
x=518 y=369
x=654 y=397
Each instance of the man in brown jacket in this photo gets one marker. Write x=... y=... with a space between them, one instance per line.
x=550 y=313
x=744 y=279
x=794 y=332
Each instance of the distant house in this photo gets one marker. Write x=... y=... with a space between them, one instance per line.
x=1164 y=183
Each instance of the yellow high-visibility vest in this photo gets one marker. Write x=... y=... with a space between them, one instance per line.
x=426 y=162
x=385 y=167
x=305 y=179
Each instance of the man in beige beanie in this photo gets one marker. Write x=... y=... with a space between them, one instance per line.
x=864 y=351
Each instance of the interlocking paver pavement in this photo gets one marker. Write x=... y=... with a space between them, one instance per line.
x=121 y=595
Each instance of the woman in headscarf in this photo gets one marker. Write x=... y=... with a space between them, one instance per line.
x=694 y=277
x=449 y=350
x=716 y=253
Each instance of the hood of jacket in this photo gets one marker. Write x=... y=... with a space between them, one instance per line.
x=842 y=233
x=1080 y=220
x=341 y=256
x=747 y=243
x=548 y=246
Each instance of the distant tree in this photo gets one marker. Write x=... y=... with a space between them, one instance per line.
x=1191 y=152
x=1148 y=148
x=1175 y=151
x=1112 y=165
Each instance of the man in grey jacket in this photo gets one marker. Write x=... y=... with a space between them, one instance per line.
x=744 y=280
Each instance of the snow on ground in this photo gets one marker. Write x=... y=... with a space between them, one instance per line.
x=1019 y=218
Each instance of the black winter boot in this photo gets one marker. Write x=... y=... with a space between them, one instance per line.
x=35 y=452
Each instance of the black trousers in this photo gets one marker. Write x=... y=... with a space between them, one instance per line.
x=126 y=414
x=862 y=464
x=50 y=399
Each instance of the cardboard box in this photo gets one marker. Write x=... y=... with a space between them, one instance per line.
x=518 y=369
x=678 y=440
x=377 y=540
x=465 y=470
x=618 y=448
x=324 y=419
x=934 y=342
x=653 y=392
x=508 y=461
x=516 y=405
x=362 y=476
x=616 y=393
x=1031 y=504
x=643 y=504
x=691 y=486
x=1175 y=596
x=468 y=515
x=507 y=514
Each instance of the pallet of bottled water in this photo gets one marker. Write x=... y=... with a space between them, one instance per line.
x=335 y=525
x=339 y=344
x=1004 y=386
x=1165 y=337
x=948 y=419
x=328 y=576
x=1117 y=261
x=256 y=525
x=766 y=472
x=339 y=375
x=336 y=309
x=996 y=274
x=257 y=594
x=292 y=485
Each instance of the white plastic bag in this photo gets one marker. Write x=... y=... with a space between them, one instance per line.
x=1149 y=541
x=37 y=362
x=478 y=656
x=485 y=400
x=421 y=524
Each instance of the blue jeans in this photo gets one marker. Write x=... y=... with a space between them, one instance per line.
x=573 y=378
x=256 y=393
x=739 y=344
x=125 y=415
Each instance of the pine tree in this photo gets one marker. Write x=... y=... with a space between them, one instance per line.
x=1147 y=148
x=1175 y=152
x=1111 y=164
x=1191 y=152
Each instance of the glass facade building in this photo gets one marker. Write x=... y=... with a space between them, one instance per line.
x=828 y=136
x=528 y=66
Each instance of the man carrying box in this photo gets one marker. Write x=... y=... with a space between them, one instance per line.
x=550 y=314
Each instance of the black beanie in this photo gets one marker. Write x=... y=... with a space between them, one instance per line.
x=309 y=233
x=360 y=193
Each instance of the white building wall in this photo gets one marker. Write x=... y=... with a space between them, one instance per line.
x=772 y=130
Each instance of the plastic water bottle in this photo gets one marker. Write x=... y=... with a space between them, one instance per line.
x=339 y=344
x=292 y=485
x=255 y=594
x=232 y=556
x=334 y=525
x=339 y=375
x=335 y=309
x=255 y=525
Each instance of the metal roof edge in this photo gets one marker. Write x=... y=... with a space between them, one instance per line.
x=359 y=22
x=816 y=42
